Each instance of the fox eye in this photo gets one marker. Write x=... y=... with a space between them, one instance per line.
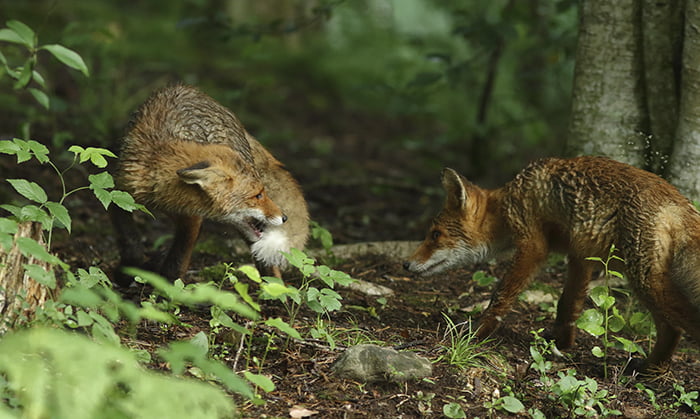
x=259 y=195
x=435 y=234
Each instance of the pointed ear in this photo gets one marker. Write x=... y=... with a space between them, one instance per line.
x=455 y=188
x=200 y=174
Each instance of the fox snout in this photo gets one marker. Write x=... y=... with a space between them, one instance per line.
x=276 y=221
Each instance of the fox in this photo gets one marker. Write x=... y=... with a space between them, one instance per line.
x=579 y=207
x=188 y=156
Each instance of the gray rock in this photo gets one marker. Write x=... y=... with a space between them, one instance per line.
x=371 y=363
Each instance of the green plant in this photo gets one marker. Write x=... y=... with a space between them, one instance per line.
x=508 y=403
x=606 y=318
x=24 y=74
x=688 y=399
x=50 y=373
x=650 y=394
x=453 y=410
x=463 y=350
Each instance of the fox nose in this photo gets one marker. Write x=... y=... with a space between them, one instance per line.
x=284 y=218
x=407 y=265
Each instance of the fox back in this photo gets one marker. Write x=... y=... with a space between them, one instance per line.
x=579 y=207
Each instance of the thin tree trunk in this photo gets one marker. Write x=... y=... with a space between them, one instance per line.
x=661 y=23
x=20 y=295
x=684 y=169
x=608 y=112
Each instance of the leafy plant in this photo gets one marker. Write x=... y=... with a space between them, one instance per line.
x=508 y=403
x=688 y=399
x=25 y=73
x=606 y=318
x=50 y=373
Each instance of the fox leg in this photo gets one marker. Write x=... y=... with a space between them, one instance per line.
x=178 y=260
x=131 y=250
x=571 y=301
x=529 y=255
x=667 y=337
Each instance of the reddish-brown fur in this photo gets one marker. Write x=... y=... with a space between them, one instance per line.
x=579 y=207
x=190 y=157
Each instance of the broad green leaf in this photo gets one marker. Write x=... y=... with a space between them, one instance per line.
x=251 y=272
x=40 y=275
x=201 y=341
x=283 y=326
x=40 y=97
x=242 y=290
x=29 y=190
x=8 y=35
x=276 y=290
x=60 y=213
x=597 y=352
x=30 y=247
x=101 y=180
x=67 y=56
x=512 y=405
x=8 y=226
x=260 y=380
x=24 y=32
x=34 y=213
x=103 y=195
x=40 y=151
x=453 y=411
x=591 y=321
x=84 y=319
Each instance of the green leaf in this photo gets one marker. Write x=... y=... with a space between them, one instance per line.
x=25 y=75
x=84 y=319
x=283 y=326
x=251 y=272
x=39 y=79
x=40 y=275
x=25 y=33
x=597 y=352
x=29 y=190
x=512 y=405
x=101 y=180
x=104 y=196
x=40 y=97
x=40 y=151
x=242 y=290
x=8 y=35
x=68 y=57
x=591 y=321
x=60 y=213
x=453 y=411
x=30 y=247
x=201 y=341
x=260 y=380
x=276 y=290
x=8 y=226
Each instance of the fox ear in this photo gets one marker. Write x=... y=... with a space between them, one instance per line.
x=456 y=189
x=198 y=174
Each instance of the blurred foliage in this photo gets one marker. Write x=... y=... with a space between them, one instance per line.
x=487 y=80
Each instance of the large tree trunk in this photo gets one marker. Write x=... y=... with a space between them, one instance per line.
x=684 y=168
x=20 y=295
x=608 y=113
x=662 y=38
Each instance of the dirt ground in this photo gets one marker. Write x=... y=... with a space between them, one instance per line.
x=363 y=191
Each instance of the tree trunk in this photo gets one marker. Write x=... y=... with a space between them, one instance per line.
x=20 y=295
x=662 y=38
x=683 y=170
x=608 y=112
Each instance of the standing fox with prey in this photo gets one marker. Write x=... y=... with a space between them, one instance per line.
x=190 y=157
x=579 y=207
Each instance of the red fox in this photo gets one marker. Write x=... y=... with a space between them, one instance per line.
x=579 y=207
x=190 y=157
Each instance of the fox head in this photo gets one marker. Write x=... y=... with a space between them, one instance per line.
x=460 y=234
x=236 y=196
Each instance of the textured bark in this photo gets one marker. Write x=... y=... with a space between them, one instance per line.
x=684 y=169
x=662 y=38
x=608 y=113
x=20 y=295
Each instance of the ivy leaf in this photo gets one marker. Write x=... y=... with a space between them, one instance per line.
x=68 y=57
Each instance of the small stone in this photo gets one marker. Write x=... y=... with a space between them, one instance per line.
x=372 y=363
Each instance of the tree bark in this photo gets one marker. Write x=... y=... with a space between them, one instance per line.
x=608 y=112
x=662 y=38
x=20 y=295
x=683 y=170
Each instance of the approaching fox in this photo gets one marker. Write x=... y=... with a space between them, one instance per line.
x=190 y=157
x=579 y=207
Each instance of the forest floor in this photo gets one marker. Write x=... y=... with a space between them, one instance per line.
x=363 y=192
